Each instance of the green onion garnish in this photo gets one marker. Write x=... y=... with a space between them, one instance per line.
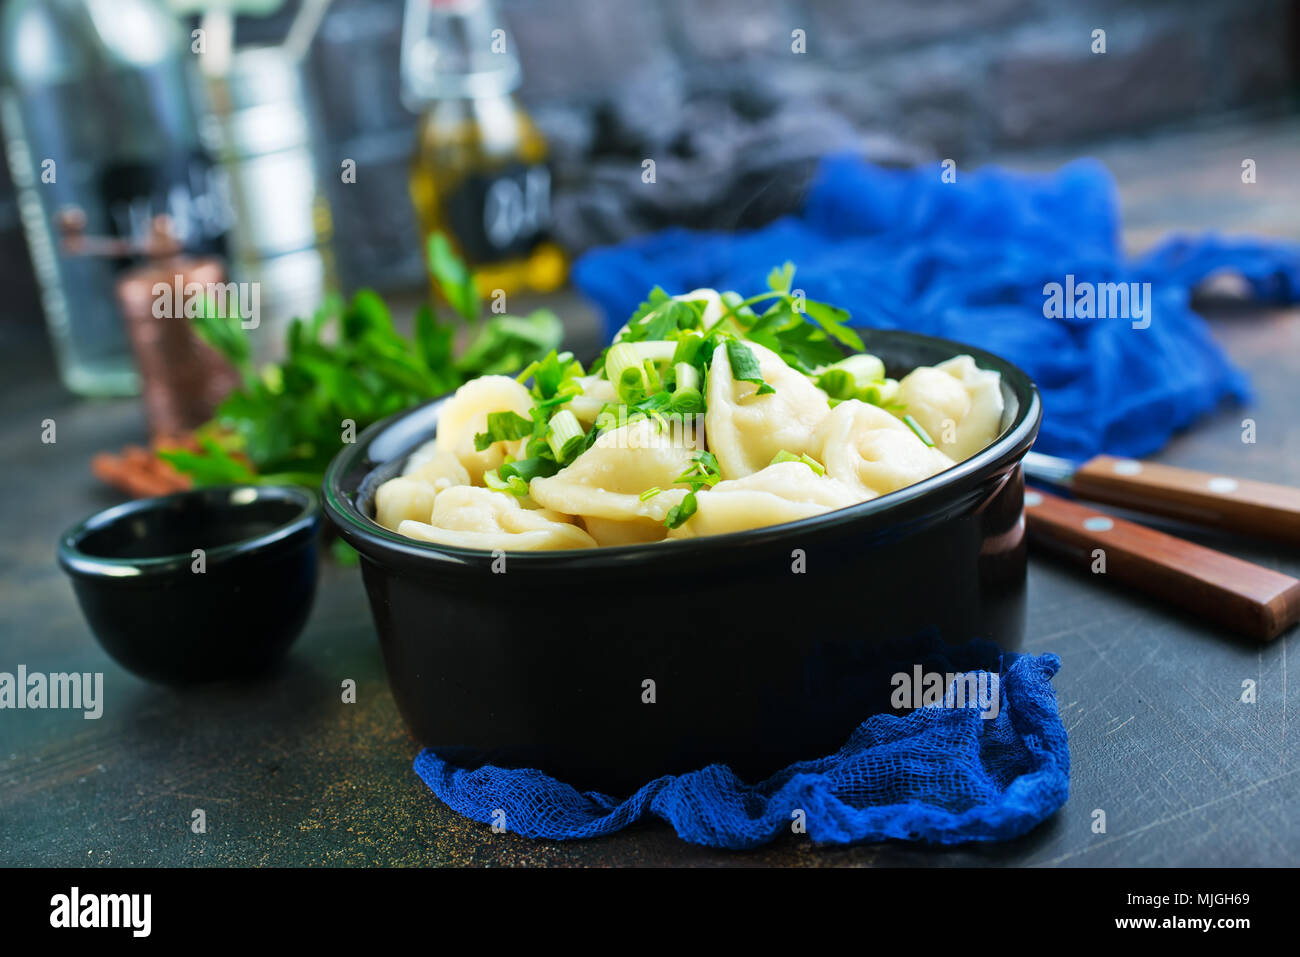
x=624 y=368
x=678 y=514
x=880 y=393
x=805 y=458
x=650 y=493
x=687 y=397
x=565 y=436
x=514 y=485
x=838 y=383
x=851 y=378
x=921 y=434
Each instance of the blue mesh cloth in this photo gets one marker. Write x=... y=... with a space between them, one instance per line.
x=969 y=261
x=940 y=774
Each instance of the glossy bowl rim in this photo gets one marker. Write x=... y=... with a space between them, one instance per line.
x=83 y=564
x=369 y=537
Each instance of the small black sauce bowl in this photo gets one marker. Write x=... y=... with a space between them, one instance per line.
x=543 y=661
x=133 y=569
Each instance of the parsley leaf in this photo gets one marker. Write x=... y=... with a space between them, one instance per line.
x=744 y=367
x=503 y=427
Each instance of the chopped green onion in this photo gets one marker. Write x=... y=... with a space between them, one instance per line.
x=838 y=383
x=921 y=434
x=851 y=377
x=503 y=427
x=513 y=485
x=652 y=377
x=864 y=367
x=805 y=458
x=812 y=463
x=565 y=436
x=687 y=397
x=650 y=493
x=678 y=514
x=625 y=370
x=659 y=350
x=880 y=393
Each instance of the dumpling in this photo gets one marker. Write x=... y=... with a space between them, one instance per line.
x=411 y=494
x=784 y=492
x=745 y=431
x=957 y=403
x=471 y=517
x=403 y=498
x=609 y=532
x=439 y=469
x=465 y=415
x=606 y=481
x=870 y=450
x=596 y=392
x=420 y=456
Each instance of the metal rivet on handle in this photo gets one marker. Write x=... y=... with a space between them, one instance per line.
x=1128 y=467
x=1224 y=485
x=1098 y=523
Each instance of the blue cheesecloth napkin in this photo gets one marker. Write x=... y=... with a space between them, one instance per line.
x=943 y=774
x=968 y=261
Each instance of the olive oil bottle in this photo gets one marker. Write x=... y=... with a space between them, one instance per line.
x=479 y=173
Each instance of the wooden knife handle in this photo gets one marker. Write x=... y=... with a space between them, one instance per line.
x=1240 y=505
x=1241 y=596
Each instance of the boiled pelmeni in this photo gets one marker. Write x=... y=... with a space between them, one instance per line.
x=746 y=430
x=471 y=517
x=607 y=480
x=957 y=403
x=870 y=450
x=784 y=492
x=465 y=415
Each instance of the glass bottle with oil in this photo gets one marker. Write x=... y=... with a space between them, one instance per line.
x=479 y=172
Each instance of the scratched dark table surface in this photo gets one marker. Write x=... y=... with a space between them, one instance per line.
x=287 y=774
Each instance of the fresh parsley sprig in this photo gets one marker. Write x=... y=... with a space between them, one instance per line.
x=784 y=328
x=346 y=367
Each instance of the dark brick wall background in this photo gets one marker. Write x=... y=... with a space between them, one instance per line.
x=734 y=120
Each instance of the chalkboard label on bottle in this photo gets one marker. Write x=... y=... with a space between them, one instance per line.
x=189 y=189
x=501 y=215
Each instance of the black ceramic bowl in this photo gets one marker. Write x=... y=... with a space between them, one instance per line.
x=134 y=572
x=544 y=663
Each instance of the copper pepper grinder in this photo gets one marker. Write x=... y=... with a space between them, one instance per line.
x=182 y=378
